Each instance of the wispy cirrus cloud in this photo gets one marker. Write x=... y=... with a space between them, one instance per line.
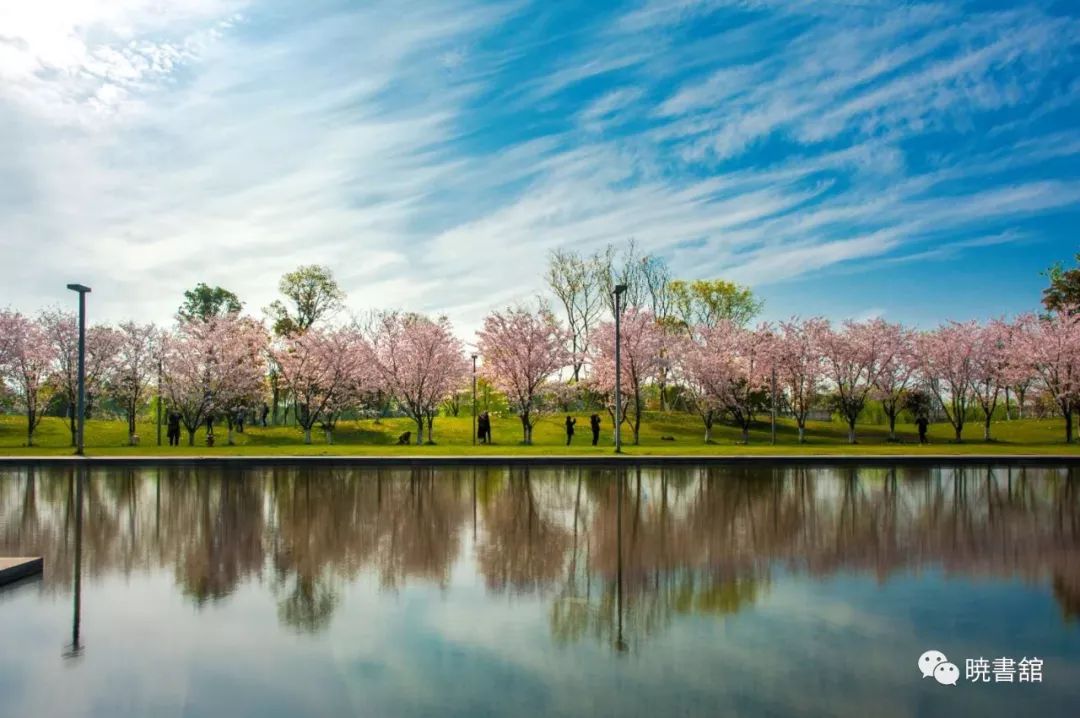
x=433 y=153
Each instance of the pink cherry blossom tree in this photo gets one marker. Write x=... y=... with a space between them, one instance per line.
x=1050 y=346
x=1020 y=375
x=991 y=370
x=62 y=329
x=800 y=366
x=897 y=371
x=521 y=351
x=28 y=366
x=134 y=367
x=325 y=371
x=854 y=356
x=726 y=368
x=420 y=362
x=946 y=358
x=213 y=366
x=643 y=340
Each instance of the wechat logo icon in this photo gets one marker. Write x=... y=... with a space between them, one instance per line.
x=934 y=664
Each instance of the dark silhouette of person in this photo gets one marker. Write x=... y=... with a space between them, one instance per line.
x=922 y=423
x=483 y=428
x=174 y=428
x=594 y=424
x=264 y=413
x=240 y=415
x=570 y=421
x=209 y=424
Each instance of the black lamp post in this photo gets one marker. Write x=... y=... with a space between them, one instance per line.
x=619 y=289
x=81 y=400
x=474 y=399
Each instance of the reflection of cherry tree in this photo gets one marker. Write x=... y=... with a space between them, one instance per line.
x=523 y=549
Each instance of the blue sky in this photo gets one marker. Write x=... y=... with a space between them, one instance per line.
x=916 y=161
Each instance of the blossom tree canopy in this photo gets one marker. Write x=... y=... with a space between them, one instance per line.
x=800 y=366
x=991 y=368
x=213 y=366
x=642 y=356
x=854 y=355
x=62 y=329
x=28 y=366
x=326 y=371
x=1050 y=346
x=420 y=362
x=134 y=367
x=896 y=372
x=947 y=364
x=521 y=351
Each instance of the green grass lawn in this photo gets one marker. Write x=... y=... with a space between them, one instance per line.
x=453 y=437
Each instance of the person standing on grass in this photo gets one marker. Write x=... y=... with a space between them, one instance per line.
x=264 y=413
x=594 y=424
x=570 y=421
x=922 y=423
x=174 y=428
x=483 y=428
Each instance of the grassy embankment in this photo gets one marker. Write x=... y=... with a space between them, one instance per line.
x=453 y=437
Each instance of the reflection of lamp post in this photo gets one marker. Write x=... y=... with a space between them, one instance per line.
x=619 y=289
x=81 y=401
x=474 y=399
x=75 y=649
x=620 y=644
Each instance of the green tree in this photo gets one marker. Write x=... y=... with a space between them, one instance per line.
x=1063 y=294
x=205 y=302
x=710 y=301
x=312 y=293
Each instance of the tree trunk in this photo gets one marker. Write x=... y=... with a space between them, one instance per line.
x=708 y=432
x=1020 y=403
x=229 y=435
x=986 y=428
x=307 y=435
x=420 y=431
x=746 y=434
x=892 y=425
x=802 y=433
x=1068 y=425
x=851 y=431
x=959 y=428
x=30 y=427
x=329 y=436
x=190 y=437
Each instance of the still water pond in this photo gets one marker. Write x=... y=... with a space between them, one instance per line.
x=542 y=591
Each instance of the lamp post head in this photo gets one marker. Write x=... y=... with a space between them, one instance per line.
x=619 y=289
x=80 y=288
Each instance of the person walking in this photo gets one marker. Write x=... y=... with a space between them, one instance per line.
x=570 y=421
x=594 y=424
x=264 y=413
x=174 y=428
x=922 y=423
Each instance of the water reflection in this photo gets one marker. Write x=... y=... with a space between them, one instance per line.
x=617 y=557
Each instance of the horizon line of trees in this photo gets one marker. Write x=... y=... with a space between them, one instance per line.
x=690 y=343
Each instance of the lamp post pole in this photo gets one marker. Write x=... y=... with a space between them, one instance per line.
x=474 y=399
x=619 y=289
x=159 y=401
x=80 y=404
